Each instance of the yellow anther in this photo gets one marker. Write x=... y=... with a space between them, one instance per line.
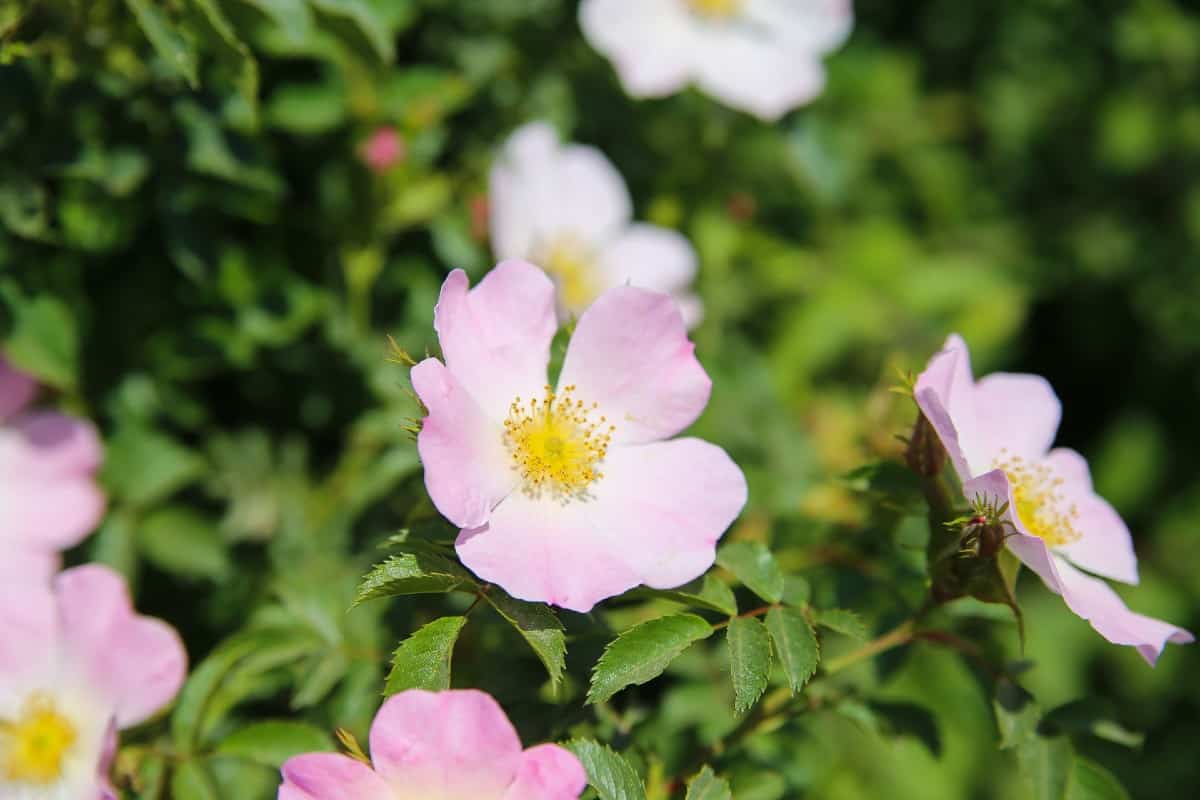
x=555 y=447
x=1037 y=494
x=716 y=8
x=34 y=748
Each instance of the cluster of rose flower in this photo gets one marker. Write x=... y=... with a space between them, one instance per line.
x=566 y=495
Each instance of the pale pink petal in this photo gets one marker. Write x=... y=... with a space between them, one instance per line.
x=331 y=776
x=28 y=629
x=651 y=42
x=764 y=77
x=50 y=514
x=945 y=391
x=649 y=257
x=1088 y=597
x=1018 y=416
x=654 y=518
x=1094 y=600
x=548 y=772
x=521 y=191
x=138 y=662
x=16 y=389
x=496 y=337
x=811 y=26
x=691 y=307
x=544 y=551
x=631 y=355
x=24 y=561
x=455 y=743
x=467 y=468
x=46 y=444
x=1105 y=547
x=593 y=202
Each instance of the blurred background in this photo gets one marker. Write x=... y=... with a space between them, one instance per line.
x=195 y=253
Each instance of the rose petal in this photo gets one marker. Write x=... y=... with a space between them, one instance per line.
x=28 y=630
x=45 y=444
x=654 y=518
x=945 y=392
x=592 y=201
x=496 y=337
x=1017 y=414
x=651 y=42
x=764 y=77
x=1094 y=600
x=331 y=776
x=467 y=469
x=138 y=662
x=50 y=515
x=548 y=772
x=1106 y=547
x=631 y=355
x=649 y=257
x=16 y=389
x=521 y=188
x=811 y=26
x=455 y=743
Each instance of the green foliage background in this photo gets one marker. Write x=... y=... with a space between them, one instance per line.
x=193 y=255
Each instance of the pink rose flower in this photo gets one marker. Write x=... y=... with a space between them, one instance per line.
x=566 y=209
x=760 y=56
x=49 y=499
x=383 y=149
x=455 y=745
x=76 y=665
x=998 y=433
x=574 y=494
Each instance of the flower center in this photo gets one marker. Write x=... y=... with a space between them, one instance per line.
x=570 y=261
x=555 y=443
x=719 y=9
x=1040 y=503
x=36 y=744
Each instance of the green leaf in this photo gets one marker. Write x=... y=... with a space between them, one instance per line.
x=246 y=66
x=539 y=626
x=410 y=573
x=1045 y=762
x=796 y=591
x=642 y=653
x=44 y=341
x=755 y=567
x=142 y=466
x=422 y=661
x=708 y=592
x=273 y=742
x=1090 y=781
x=795 y=643
x=175 y=48
x=1089 y=716
x=909 y=719
x=369 y=17
x=192 y=781
x=307 y=108
x=749 y=661
x=842 y=621
x=182 y=542
x=293 y=17
x=609 y=773
x=705 y=785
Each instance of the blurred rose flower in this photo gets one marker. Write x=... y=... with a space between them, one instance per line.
x=998 y=432
x=760 y=56
x=49 y=499
x=572 y=495
x=76 y=665
x=566 y=209
x=454 y=745
x=383 y=149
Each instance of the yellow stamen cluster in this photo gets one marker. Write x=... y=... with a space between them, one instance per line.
x=34 y=747
x=557 y=443
x=1040 y=503
x=716 y=8
x=572 y=264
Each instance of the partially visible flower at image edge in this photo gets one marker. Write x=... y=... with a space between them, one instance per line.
x=433 y=745
x=760 y=56
x=573 y=494
x=49 y=497
x=77 y=664
x=566 y=209
x=998 y=434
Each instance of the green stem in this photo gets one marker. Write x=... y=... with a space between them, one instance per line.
x=902 y=634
